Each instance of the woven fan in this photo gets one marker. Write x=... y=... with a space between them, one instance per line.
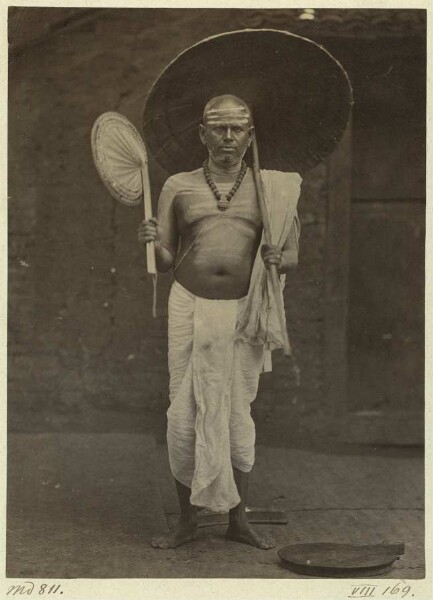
x=120 y=157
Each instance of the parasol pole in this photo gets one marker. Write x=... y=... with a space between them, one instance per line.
x=147 y=201
x=275 y=280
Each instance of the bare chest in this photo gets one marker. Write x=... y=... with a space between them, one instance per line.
x=197 y=203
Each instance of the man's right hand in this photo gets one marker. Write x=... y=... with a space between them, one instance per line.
x=148 y=231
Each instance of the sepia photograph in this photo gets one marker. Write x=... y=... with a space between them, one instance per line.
x=216 y=223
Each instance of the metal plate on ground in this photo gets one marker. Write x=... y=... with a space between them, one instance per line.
x=340 y=560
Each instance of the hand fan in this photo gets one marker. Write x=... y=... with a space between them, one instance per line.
x=120 y=158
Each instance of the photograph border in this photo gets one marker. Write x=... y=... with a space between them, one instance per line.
x=203 y=589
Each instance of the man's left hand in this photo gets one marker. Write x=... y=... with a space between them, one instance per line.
x=272 y=255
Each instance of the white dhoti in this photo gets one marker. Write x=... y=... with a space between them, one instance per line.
x=213 y=380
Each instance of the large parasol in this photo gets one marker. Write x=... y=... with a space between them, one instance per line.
x=299 y=94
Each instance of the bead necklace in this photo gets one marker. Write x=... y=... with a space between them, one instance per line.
x=224 y=203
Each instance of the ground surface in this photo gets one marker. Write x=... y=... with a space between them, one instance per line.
x=86 y=505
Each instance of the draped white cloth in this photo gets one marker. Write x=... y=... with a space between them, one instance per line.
x=259 y=322
x=213 y=380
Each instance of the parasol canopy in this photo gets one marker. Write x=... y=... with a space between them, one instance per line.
x=299 y=94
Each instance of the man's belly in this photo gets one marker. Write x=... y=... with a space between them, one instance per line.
x=222 y=283
x=219 y=265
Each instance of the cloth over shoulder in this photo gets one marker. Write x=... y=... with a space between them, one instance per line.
x=259 y=321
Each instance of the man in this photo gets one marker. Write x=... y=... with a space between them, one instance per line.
x=209 y=230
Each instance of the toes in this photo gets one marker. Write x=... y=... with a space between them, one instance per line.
x=250 y=537
x=158 y=543
x=267 y=545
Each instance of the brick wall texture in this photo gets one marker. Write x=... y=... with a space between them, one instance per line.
x=84 y=350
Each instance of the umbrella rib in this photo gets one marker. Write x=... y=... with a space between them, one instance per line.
x=176 y=108
x=169 y=140
x=189 y=126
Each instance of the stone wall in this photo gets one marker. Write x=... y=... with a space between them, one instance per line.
x=84 y=350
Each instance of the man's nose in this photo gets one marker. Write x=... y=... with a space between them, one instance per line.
x=228 y=133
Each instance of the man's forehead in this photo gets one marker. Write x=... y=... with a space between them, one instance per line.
x=227 y=114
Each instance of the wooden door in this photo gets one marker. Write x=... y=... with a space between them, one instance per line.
x=374 y=311
x=386 y=321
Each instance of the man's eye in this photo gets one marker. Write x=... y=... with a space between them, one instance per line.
x=237 y=129
x=218 y=129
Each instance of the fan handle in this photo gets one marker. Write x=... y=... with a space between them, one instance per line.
x=147 y=201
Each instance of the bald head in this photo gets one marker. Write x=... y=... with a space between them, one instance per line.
x=227 y=130
x=226 y=106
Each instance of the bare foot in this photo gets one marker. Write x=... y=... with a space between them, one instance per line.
x=241 y=531
x=184 y=532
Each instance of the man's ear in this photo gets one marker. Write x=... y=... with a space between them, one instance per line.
x=251 y=134
x=201 y=132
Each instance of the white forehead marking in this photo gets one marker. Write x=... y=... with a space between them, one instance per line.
x=227 y=110
x=218 y=115
x=222 y=120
